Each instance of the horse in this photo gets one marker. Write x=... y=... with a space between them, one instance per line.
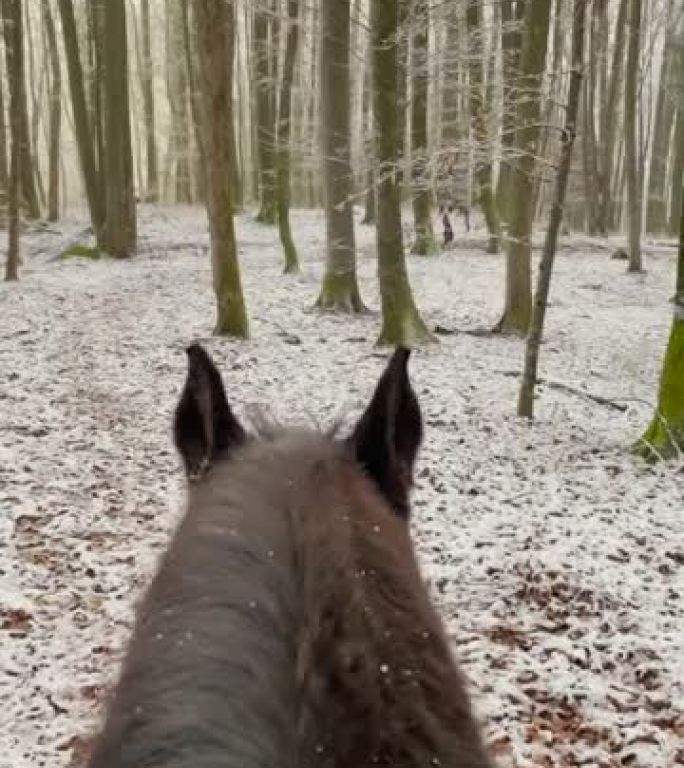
x=288 y=625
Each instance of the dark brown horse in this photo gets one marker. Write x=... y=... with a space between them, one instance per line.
x=288 y=625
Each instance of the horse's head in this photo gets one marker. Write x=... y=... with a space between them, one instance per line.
x=384 y=442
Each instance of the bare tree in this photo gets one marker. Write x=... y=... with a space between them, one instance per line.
x=631 y=136
x=147 y=79
x=529 y=379
x=214 y=26
x=55 y=112
x=339 y=289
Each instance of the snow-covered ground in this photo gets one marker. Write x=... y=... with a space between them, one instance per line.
x=556 y=559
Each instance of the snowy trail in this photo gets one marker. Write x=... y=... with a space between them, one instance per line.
x=557 y=560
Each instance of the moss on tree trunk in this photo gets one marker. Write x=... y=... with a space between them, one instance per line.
x=401 y=322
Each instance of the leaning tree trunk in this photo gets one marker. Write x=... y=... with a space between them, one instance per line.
x=284 y=133
x=11 y=16
x=631 y=140
x=483 y=164
x=55 y=114
x=152 y=191
x=520 y=192
x=424 y=244
x=265 y=116
x=664 y=437
x=82 y=126
x=401 y=322
x=339 y=289
x=119 y=230
x=529 y=379
x=215 y=31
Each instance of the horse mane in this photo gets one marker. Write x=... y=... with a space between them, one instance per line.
x=288 y=626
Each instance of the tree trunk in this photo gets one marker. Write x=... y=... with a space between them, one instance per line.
x=5 y=149
x=367 y=107
x=664 y=437
x=119 y=230
x=55 y=114
x=147 y=77
x=677 y=170
x=214 y=25
x=14 y=42
x=339 y=289
x=611 y=122
x=424 y=244
x=631 y=136
x=521 y=186
x=14 y=51
x=177 y=67
x=82 y=127
x=401 y=322
x=483 y=165
x=284 y=135
x=265 y=116
x=529 y=379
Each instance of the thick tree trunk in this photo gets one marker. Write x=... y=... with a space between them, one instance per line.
x=54 y=132
x=631 y=136
x=152 y=191
x=529 y=379
x=521 y=186
x=265 y=116
x=401 y=323
x=119 y=230
x=82 y=127
x=284 y=134
x=424 y=244
x=14 y=41
x=664 y=437
x=484 y=195
x=677 y=171
x=214 y=25
x=339 y=289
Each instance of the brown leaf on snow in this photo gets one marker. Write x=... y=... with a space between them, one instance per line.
x=16 y=620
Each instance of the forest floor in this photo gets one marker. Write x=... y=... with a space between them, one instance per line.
x=556 y=558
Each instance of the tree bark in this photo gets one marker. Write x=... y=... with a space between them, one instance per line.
x=14 y=42
x=55 y=113
x=214 y=25
x=82 y=127
x=147 y=77
x=284 y=134
x=425 y=244
x=521 y=186
x=265 y=115
x=401 y=322
x=483 y=165
x=529 y=379
x=119 y=230
x=11 y=17
x=339 y=289
x=631 y=136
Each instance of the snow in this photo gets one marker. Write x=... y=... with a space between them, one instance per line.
x=555 y=557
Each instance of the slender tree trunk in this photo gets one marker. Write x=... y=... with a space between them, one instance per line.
x=401 y=322
x=483 y=165
x=424 y=244
x=55 y=114
x=82 y=127
x=367 y=107
x=214 y=25
x=631 y=136
x=152 y=192
x=11 y=17
x=284 y=135
x=119 y=230
x=265 y=116
x=521 y=187
x=339 y=289
x=677 y=169
x=611 y=122
x=5 y=148
x=180 y=146
x=529 y=379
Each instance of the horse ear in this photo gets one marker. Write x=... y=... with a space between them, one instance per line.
x=204 y=425
x=387 y=438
